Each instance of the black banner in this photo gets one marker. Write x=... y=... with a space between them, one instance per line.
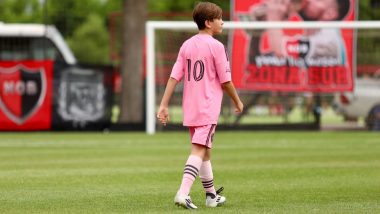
x=83 y=97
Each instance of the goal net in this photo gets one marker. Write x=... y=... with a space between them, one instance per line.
x=276 y=88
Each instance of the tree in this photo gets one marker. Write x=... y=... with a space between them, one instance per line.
x=68 y=15
x=182 y=6
x=90 y=41
x=20 y=11
x=134 y=15
x=368 y=39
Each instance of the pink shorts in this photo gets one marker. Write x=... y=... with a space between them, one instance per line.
x=202 y=135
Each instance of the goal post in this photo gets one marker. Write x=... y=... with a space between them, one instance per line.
x=153 y=26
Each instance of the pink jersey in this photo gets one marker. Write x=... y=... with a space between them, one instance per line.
x=203 y=64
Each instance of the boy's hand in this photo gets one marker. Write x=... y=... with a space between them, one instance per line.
x=163 y=115
x=239 y=107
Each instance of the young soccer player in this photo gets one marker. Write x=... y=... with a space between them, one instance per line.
x=203 y=65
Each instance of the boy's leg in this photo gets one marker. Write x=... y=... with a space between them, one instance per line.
x=206 y=175
x=190 y=172
x=201 y=139
x=193 y=164
x=213 y=199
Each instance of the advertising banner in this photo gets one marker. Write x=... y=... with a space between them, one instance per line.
x=298 y=60
x=25 y=95
x=83 y=97
x=46 y=95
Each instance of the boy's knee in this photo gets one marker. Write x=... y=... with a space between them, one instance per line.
x=198 y=150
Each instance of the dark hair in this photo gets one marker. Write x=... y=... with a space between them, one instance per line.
x=343 y=8
x=204 y=11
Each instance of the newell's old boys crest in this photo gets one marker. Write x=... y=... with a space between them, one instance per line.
x=22 y=91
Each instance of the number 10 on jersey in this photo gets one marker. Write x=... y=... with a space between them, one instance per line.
x=197 y=70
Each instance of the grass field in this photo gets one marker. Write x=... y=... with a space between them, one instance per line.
x=262 y=172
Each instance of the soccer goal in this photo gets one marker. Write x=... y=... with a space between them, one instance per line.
x=312 y=64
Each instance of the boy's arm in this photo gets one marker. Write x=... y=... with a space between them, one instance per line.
x=231 y=91
x=163 y=111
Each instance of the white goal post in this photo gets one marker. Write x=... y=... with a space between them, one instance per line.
x=152 y=26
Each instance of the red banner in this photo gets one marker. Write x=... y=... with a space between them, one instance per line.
x=315 y=60
x=25 y=95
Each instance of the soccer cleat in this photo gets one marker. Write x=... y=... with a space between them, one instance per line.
x=184 y=201
x=215 y=200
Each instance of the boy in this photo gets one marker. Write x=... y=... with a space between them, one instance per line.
x=203 y=64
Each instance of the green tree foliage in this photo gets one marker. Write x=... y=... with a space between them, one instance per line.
x=181 y=6
x=90 y=41
x=368 y=40
x=367 y=12
x=69 y=15
x=72 y=18
x=21 y=11
x=84 y=24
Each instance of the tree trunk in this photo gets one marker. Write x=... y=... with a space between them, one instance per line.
x=134 y=16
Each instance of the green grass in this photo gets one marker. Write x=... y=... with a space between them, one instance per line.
x=297 y=115
x=262 y=172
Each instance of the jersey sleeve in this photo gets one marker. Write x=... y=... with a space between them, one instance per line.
x=178 y=70
x=222 y=64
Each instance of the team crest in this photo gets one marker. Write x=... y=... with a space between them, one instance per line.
x=22 y=92
x=81 y=95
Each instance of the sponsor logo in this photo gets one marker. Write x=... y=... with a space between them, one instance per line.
x=297 y=48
